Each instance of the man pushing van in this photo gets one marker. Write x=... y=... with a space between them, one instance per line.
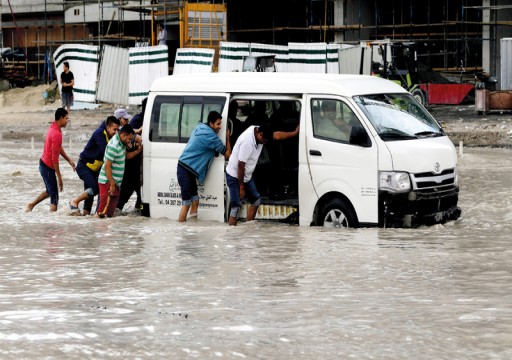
x=242 y=163
x=194 y=162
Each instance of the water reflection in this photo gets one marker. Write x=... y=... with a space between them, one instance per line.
x=133 y=287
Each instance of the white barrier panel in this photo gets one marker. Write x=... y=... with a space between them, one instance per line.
x=307 y=57
x=231 y=56
x=193 y=60
x=280 y=52
x=83 y=63
x=145 y=65
x=113 y=77
x=333 y=66
x=350 y=60
x=506 y=64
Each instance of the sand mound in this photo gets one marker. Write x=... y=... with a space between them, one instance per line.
x=25 y=99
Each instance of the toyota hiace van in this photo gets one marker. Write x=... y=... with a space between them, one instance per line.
x=367 y=154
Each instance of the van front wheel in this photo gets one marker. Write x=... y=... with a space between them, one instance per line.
x=337 y=214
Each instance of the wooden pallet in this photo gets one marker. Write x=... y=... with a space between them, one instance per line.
x=16 y=75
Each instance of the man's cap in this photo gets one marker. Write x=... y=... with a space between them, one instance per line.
x=122 y=113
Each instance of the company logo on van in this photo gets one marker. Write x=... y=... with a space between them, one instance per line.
x=173 y=185
x=437 y=168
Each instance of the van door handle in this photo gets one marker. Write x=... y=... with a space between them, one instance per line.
x=315 y=153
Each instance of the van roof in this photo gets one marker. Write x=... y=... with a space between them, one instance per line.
x=276 y=83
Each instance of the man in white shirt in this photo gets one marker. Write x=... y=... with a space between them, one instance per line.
x=161 y=37
x=241 y=165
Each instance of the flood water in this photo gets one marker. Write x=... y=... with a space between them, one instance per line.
x=132 y=287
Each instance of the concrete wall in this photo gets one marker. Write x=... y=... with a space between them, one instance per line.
x=32 y=6
x=352 y=12
x=107 y=11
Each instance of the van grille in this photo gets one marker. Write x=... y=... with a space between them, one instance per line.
x=429 y=180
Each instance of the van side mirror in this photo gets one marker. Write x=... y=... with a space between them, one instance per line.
x=358 y=136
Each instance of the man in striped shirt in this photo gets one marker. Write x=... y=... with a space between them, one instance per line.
x=112 y=170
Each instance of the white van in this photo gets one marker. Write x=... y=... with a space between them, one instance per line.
x=367 y=153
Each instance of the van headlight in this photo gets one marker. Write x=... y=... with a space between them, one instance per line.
x=395 y=182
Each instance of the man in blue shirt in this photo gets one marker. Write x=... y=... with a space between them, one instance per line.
x=194 y=162
x=90 y=161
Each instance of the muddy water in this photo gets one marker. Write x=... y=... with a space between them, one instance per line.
x=132 y=287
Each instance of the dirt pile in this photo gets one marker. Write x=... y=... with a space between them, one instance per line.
x=23 y=99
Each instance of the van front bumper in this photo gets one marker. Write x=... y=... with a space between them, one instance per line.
x=419 y=207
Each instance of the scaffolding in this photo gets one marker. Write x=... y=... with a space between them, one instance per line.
x=201 y=25
x=455 y=31
x=456 y=34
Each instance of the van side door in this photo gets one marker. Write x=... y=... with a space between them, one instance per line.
x=173 y=118
x=342 y=157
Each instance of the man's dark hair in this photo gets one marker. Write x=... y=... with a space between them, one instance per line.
x=213 y=116
x=233 y=109
x=112 y=120
x=127 y=129
x=59 y=113
x=267 y=131
x=66 y=64
x=143 y=105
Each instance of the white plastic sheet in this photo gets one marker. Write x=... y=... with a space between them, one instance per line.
x=193 y=60
x=296 y=57
x=232 y=55
x=307 y=57
x=145 y=65
x=506 y=64
x=350 y=60
x=332 y=58
x=113 y=76
x=280 y=52
x=83 y=63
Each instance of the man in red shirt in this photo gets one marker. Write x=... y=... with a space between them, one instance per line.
x=49 y=162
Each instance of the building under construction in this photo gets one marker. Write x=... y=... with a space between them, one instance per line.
x=454 y=35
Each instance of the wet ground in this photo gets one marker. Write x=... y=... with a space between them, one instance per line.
x=132 y=287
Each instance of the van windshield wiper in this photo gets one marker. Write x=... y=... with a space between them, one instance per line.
x=395 y=135
x=428 y=134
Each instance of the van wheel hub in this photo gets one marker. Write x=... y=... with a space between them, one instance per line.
x=335 y=219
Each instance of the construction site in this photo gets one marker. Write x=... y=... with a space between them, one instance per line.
x=459 y=40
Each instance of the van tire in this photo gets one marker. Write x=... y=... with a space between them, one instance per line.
x=337 y=214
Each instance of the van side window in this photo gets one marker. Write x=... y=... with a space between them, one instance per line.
x=190 y=118
x=169 y=118
x=173 y=118
x=332 y=119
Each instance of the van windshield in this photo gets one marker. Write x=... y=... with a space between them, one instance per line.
x=398 y=117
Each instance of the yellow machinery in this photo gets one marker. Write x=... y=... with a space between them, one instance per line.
x=201 y=25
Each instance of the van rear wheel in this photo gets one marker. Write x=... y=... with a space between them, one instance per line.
x=337 y=214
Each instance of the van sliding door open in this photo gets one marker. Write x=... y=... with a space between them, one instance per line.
x=277 y=173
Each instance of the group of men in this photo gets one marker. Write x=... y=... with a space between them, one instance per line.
x=204 y=144
x=109 y=164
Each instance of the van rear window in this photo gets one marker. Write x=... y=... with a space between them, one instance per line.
x=174 y=117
